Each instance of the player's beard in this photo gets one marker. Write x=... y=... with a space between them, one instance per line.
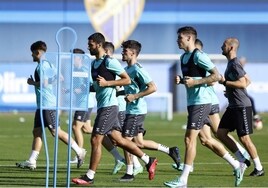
x=93 y=52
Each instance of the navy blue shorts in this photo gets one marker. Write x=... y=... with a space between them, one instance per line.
x=239 y=119
x=106 y=120
x=133 y=125
x=198 y=116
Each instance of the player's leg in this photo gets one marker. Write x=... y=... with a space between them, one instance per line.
x=119 y=160
x=214 y=124
x=197 y=114
x=132 y=148
x=87 y=128
x=243 y=131
x=36 y=144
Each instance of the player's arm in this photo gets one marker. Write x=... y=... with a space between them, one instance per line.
x=124 y=80
x=31 y=81
x=213 y=77
x=241 y=83
x=151 y=88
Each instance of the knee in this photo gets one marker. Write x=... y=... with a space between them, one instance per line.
x=139 y=144
x=96 y=140
x=204 y=141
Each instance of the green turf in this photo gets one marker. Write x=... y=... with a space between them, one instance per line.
x=209 y=169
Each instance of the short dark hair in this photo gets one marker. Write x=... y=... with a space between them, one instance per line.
x=132 y=44
x=109 y=45
x=39 y=45
x=188 y=30
x=78 y=51
x=98 y=38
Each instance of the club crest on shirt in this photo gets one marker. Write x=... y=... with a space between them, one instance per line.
x=115 y=19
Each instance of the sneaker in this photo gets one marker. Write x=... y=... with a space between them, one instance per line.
x=81 y=158
x=175 y=155
x=118 y=165
x=74 y=160
x=181 y=167
x=239 y=173
x=127 y=177
x=27 y=164
x=138 y=170
x=151 y=167
x=256 y=172
x=83 y=180
x=176 y=183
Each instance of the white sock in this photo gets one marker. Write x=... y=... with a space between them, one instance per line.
x=257 y=163
x=90 y=174
x=145 y=158
x=130 y=169
x=34 y=156
x=163 y=148
x=234 y=163
x=76 y=148
x=185 y=173
x=136 y=162
x=116 y=154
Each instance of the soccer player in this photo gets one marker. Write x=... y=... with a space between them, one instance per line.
x=198 y=72
x=49 y=116
x=137 y=167
x=238 y=115
x=214 y=118
x=136 y=109
x=81 y=121
x=104 y=70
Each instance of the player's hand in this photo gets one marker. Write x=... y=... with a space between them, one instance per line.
x=222 y=79
x=101 y=81
x=130 y=98
x=30 y=80
x=188 y=81
x=177 y=79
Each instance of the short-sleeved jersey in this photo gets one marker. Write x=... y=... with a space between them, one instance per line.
x=236 y=97
x=91 y=100
x=106 y=96
x=48 y=97
x=214 y=97
x=80 y=83
x=198 y=94
x=139 y=80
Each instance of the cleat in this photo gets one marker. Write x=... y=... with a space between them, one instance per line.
x=118 y=165
x=176 y=183
x=27 y=164
x=256 y=172
x=181 y=167
x=239 y=173
x=127 y=178
x=83 y=180
x=175 y=155
x=151 y=167
x=74 y=160
x=81 y=158
x=138 y=170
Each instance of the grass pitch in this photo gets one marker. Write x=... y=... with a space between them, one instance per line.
x=209 y=169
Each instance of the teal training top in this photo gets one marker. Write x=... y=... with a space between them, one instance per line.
x=198 y=94
x=106 y=96
x=48 y=97
x=139 y=80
